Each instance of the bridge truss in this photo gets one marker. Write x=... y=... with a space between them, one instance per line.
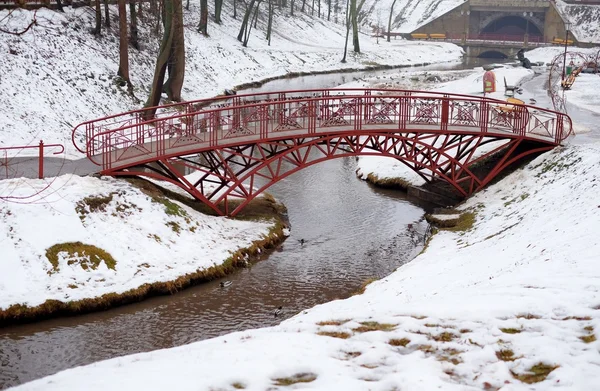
x=226 y=151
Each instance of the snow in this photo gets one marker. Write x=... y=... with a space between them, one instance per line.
x=138 y=231
x=57 y=61
x=529 y=264
x=584 y=20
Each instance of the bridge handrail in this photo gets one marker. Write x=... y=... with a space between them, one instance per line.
x=95 y=145
x=132 y=114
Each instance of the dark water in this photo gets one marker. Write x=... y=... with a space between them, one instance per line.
x=352 y=232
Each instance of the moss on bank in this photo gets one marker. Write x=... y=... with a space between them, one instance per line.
x=85 y=255
x=388 y=183
x=259 y=209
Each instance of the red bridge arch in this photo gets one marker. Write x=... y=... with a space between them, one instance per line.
x=231 y=142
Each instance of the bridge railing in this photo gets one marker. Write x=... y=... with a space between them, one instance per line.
x=86 y=130
x=282 y=117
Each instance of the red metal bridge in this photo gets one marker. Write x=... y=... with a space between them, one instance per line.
x=237 y=146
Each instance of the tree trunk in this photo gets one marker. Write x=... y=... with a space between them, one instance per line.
x=140 y=12
x=253 y=21
x=174 y=83
x=234 y=9
x=303 y=5
x=59 y=6
x=172 y=43
x=187 y=5
x=244 y=26
x=347 y=29
x=291 y=7
x=319 y=5
x=203 y=25
x=312 y=12
x=328 y=10
x=133 y=37
x=270 y=24
x=390 y=20
x=98 y=29
x=123 y=50
x=106 y=15
x=218 y=8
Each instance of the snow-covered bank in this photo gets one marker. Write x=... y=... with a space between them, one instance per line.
x=139 y=238
x=584 y=20
x=380 y=170
x=59 y=61
x=479 y=309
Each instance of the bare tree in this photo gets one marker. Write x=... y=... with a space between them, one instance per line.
x=244 y=26
x=98 y=29
x=203 y=25
x=172 y=55
x=347 y=29
x=270 y=23
x=133 y=35
x=218 y=8
x=123 y=72
x=106 y=15
x=390 y=21
x=355 y=10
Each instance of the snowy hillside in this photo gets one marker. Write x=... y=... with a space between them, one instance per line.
x=584 y=19
x=58 y=74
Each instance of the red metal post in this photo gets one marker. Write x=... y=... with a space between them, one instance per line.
x=41 y=160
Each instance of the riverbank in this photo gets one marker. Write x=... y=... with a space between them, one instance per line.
x=108 y=242
x=510 y=302
x=59 y=61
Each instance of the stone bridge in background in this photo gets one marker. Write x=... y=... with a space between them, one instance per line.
x=499 y=28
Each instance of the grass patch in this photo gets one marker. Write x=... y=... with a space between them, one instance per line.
x=86 y=255
x=510 y=330
x=352 y=354
x=536 y=373
x=399 y=342
x=297 y=378
x=589 y=328
x=463 y=331
x=374 y=326
x=442 y=223
x=93 y=204
x=364 y=286
x=579 y=318
x=174 y=226
x=171 y=208
x=426 y=349
x=528 y=316
x=505 y=355
x=335 y=334
x=444 y=337
x=333 y=322
x=465 y=222
x=426 y=245
x=588 y=338
x=238 y=386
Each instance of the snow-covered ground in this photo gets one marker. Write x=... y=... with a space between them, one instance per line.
x=58 y=75
x=151 y=239
x=479 y=309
